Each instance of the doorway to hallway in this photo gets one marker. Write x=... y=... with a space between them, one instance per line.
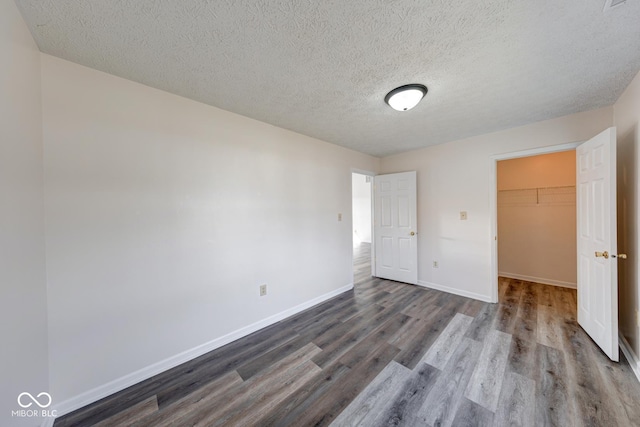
x=362 y=199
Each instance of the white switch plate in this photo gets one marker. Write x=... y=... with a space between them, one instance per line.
x=339 y=217
x=263 y=290
x=463 y=215
x=435 y=264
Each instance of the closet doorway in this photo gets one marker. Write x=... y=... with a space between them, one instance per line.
x=537 y=218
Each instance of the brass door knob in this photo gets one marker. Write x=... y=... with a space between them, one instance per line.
x=604 y=254
x=412 y=233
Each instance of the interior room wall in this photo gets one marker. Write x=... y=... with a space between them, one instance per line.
x=23 y=310
x=361 y=209
x=627 y=121
x=537 y=226
x=456 y=176
x=164 y=216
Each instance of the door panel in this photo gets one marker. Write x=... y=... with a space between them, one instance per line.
x=395 y=215
x=597 y=273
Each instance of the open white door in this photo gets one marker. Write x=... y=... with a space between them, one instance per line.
x=597 y=241
x=395 y=229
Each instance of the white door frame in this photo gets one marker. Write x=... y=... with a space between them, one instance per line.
x=493 y=199
x=373 y=249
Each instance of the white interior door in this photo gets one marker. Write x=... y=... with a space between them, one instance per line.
x=597 y=241
x=395 y=228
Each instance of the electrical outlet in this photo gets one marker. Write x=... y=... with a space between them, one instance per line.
x=339 y=217
x=463 y=215
x=263 y=290
x=435 y=264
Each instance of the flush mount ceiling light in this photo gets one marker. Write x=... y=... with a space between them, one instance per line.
x=405 y=97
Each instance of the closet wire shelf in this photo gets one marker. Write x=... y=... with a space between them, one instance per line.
x=547 y=196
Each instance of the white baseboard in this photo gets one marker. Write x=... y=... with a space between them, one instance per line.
x=542 y=280
x=128 y=380
x=629 y=354
x=455 y=291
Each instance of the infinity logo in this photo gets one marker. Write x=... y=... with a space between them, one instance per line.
x=34 y=400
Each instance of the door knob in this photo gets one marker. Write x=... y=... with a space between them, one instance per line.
x=604 y=254
x=413 y=233
x=621 y=256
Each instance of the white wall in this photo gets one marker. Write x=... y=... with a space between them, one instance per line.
x=361 y=208
x=627 y=121
x=455 y=177
x=23 y=311
x=537 y=232
x=165 y=215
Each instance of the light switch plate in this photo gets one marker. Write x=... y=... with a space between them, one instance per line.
x=463 y=215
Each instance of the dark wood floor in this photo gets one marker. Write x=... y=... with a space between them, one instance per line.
x=387 y=353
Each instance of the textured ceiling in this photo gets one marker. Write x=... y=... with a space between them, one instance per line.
x=322 y=68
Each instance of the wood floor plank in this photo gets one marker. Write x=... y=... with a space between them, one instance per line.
x=526 y=325
x=592 y=406
x=249 y=412
x=339 y=395
x=472 y=307
x=289 y=411
x=132 y=414
x=414 y=351
x=544 y=295
x=517 y=402
x=376 y=338
x=503 y=283
x=208 y=394
x=363 y=318
x=620 y=381
x=421 y=307
x=549 y=331
x=375 y=399
x=402 y=300
x=441 y=404
x=403 y=410
x=458 y=303
x=334 y=308
x=320 y=311
x=505 y=319
x=512 y=293
x=406 y=335
x=470 y=414
x=482 y=323
x=334 y=350
x=267 y=359
x=565 y=303
x=441 y=350
x=522 y=357
x=553 y=407
x=486 y=381
x=266 y=385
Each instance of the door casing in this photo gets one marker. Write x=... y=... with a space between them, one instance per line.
x=493 y=202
